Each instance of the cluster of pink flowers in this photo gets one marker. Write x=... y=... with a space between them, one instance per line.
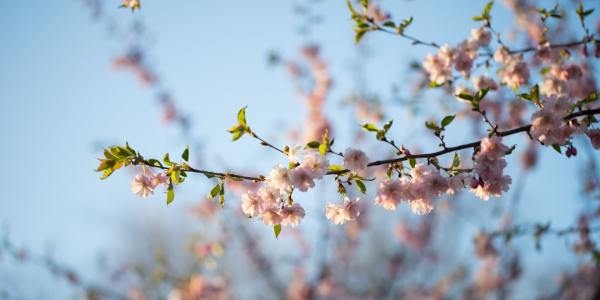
x=425 y=183
x=356 y=161
x=557 y=81
x=547 y=124
x=144 y=185
x=349 y=210
x=270 y=201
x=439 y=66
x=514 y=71
x=489 y=165
x=268 y=204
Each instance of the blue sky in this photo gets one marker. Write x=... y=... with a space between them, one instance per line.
x=60 y=97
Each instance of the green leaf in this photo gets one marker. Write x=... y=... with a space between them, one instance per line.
x=412 y=162
x=241 y=116
x=387 y=126
x=352 y=11
x=431 y=125
x=456 y=161
x=359 y=35
x=155 y=162
x=447 y=120
x=222 y=194
x=592 y=97
x=167 y=159
x=361 y=186
x=170 y=194
x=364 y=3
x=215 y=190
x=237 y=132
x=390 y=24
x=186 y=153
x=488 y=8
x=336 y=168
x=370 y=127
x=481 y=94
x=556 y=148
x=526 y=97
x=324 y=147
x=406 y=22
x=596 y=256
x=465 y=96
x=277 y=230
x=313 y=145
x=534 y=93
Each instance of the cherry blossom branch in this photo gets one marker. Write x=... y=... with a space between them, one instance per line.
x=188 y=168
x=524 y=128
x=415 y=41
x=265 y=143
x=583 y=41
x=366 y=23
x=137 y=159
x=540 y=229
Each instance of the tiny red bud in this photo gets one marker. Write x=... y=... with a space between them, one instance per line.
x=584 y=50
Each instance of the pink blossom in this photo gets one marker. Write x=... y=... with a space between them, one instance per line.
x=484 y=82
x=351 y=208
x=501 y=55
x=269 y=196
x=463 y=60
x=355 y=160
x=389 y=194
x=315 y=163
x=294 y=154
x=553 y=87
x=302 y=179
x=594 y=135
x=279 y=178
x=514 y=71
x=489 y=165
x=159 y=178
x=251 y=204
x=571 y=72
x=271 y=216
x=335 y=214
x=438 y=66
x=291 y=215
x=421 y=206
x=547 y=124
x=492 y=148
x=481 y=36
x=142 y=185
x=456 y=183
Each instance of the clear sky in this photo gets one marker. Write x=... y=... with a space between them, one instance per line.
x=60 y=97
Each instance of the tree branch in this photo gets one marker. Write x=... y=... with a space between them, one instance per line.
x=524 y=128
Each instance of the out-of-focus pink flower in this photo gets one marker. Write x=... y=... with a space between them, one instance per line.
x=481 y=36
x=251 y=204
x=302 y=178
x=159 y=179
x=594 y=135
x=142 y=185
x=315 y=164
x=271 y=216
x=291 y=215
x=355 y=160
x=280 y=179
x=389 y=194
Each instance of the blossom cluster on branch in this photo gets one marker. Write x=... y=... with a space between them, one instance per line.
x=563 y=106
